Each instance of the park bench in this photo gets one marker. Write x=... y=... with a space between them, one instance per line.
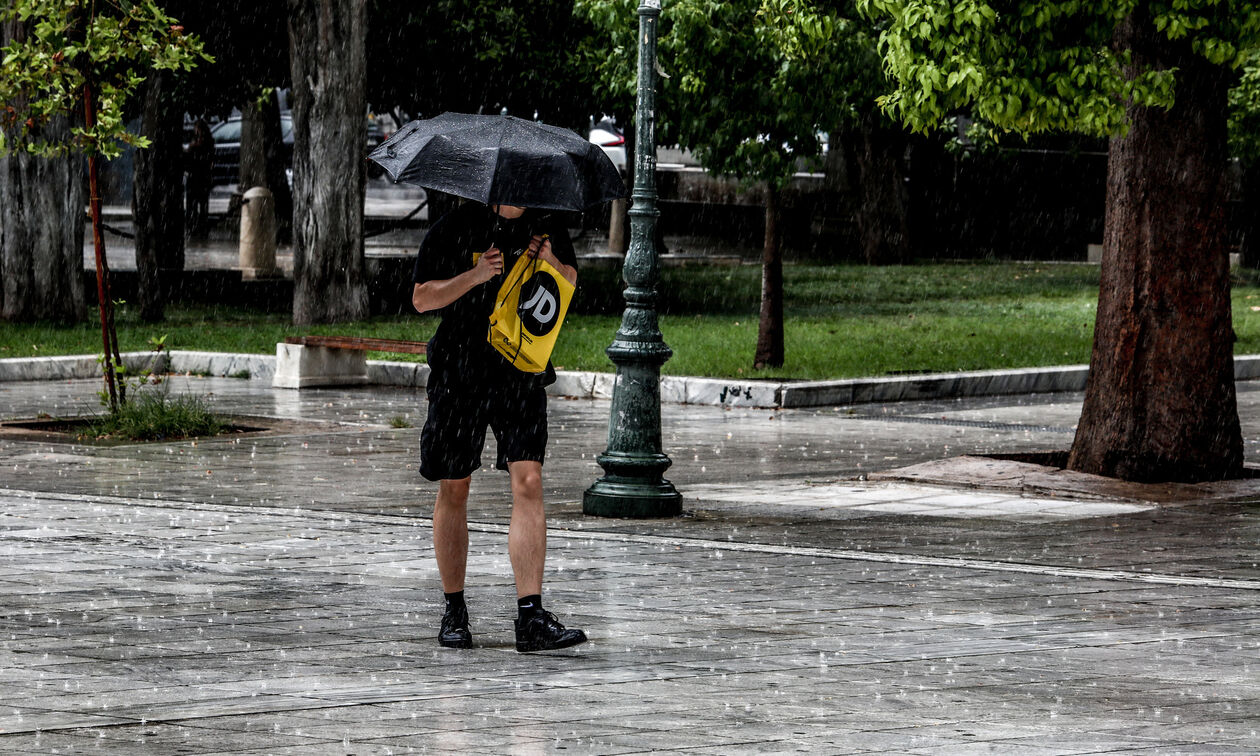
x=303 y=361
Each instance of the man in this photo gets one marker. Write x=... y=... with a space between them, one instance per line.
x=199 y=165
x=472 y=386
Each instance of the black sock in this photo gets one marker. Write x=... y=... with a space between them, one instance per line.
x=527 y=606
x=454 y=600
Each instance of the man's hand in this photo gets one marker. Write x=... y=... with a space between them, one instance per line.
x=489 y=265
x=540 y=247
x=436 y=294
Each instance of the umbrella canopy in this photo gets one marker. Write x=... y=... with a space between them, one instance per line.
x=501 y=160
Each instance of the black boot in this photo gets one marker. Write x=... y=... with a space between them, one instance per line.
x=455 y=632
x=541 y=631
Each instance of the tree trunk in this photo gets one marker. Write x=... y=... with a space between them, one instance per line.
x=618 y=227
x=253 y=165
x=41 y=239
x=883 y=202
x=263 y=160
x=770 y=325
x=110 y=358
x=1160 y=402
x=41 y=231
x=327 y=57
x=157 y=202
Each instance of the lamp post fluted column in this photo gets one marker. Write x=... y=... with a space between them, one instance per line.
x=632 y=485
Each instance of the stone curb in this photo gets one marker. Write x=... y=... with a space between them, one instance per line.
x=70 y=367
x=590 y=385
x=251 y=366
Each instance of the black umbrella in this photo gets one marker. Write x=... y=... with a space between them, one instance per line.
x=501 y=160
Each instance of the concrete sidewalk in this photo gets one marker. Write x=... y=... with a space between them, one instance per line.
x=275 y=593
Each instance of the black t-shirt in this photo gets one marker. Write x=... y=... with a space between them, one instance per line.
x=459 y=350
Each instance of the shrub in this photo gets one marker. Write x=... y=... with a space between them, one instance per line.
x=155 y=416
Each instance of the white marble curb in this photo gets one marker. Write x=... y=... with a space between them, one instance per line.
x=935 y=386
x=251 y=366
x=589 y=385
x=69 y=367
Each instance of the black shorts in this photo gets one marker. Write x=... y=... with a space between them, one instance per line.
x=455 y=431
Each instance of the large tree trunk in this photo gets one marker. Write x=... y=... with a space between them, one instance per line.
x=263 y=160
x=1160 y=402
x=41 y=229
x=41 y=238
x=883 y=201
x=770 y=325
x=157 y=202
x=327 y=57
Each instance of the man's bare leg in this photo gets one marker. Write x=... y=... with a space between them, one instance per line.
x=450 y=547
x=527 y=534
x=536 y=630
x=450 y=533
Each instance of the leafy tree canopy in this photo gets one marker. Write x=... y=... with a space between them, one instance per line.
x=467 y=56
x=67 y=44
x=249 y=44
x=1044 y=65
x=750 y=82
x=1244 y=113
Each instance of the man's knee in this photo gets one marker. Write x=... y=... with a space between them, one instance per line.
x=453 y=493
x=527 y=478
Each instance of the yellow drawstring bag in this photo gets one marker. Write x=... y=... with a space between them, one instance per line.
x=528 y=312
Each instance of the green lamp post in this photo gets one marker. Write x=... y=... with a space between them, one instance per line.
x=633 y=464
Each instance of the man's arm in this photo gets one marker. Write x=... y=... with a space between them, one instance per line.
x=434 y=295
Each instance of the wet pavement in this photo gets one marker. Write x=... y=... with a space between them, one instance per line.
x=276 y=593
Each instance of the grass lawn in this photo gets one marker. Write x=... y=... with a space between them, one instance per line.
x=841 y=321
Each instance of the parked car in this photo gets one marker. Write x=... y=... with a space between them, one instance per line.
x=227 y=148
x=610 y=139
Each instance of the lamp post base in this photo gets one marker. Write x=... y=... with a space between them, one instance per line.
x=613 y=496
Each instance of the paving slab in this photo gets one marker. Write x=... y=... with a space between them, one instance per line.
x=277 y=594
x=1030 y=478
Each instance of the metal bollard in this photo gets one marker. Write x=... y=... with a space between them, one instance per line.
x=258 y=234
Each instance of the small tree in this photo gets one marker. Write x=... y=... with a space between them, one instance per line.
x=1154 y=75
x=750 y=84
x=76 y=60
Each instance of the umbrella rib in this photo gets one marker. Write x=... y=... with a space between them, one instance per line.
x=498 y=156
